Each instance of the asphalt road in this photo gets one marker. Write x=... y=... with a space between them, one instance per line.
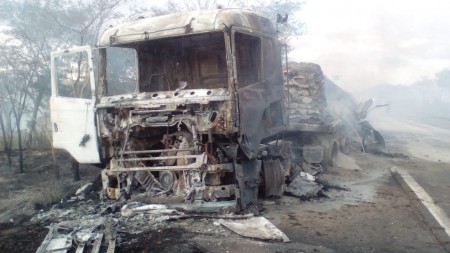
x=428 y=148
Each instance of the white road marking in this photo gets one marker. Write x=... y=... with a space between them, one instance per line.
x=437 y=212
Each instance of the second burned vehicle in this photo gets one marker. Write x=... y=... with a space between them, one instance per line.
x=187 y=108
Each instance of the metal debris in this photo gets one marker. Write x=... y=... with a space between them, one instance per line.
x=83 y=189
x=55 y=242
x=174 y=211
x=110 y=236
x=81 y=234
x=308 y=176
x=130 y=209
x=255 y=227
x=303 y=186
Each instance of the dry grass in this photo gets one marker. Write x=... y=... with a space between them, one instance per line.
x=27 y=200
x=38 y=188
x=43 y=195
x=48 y=194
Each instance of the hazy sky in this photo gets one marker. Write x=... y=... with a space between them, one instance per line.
x=361 y=43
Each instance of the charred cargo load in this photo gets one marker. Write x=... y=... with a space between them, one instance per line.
x=192 y=108
x=305 y=93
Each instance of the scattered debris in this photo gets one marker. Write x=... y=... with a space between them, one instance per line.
x=130 y=209
x=55 y=242
x=171 y=212
x=81 y=234
x=390 y=155
x=255 y=227
x=303 y=186
x=84 y=189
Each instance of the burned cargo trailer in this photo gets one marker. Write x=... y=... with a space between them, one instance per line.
x=180 y=108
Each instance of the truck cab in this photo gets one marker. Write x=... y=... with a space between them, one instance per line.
x=175 y=107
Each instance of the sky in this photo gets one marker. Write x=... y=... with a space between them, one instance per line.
x=362 y=43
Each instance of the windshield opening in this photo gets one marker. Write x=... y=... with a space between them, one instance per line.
x=117 y=71
x=190 y=62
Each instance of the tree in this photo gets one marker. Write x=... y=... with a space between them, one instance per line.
x=36 y=28
x=292 y=27
x=6 y=127
x=16 y=82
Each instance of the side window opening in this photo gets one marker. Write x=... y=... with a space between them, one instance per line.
x=248 y=58
x=271 y=60
x=73 y=75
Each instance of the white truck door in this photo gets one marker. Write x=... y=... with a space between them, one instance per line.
x=72 y=104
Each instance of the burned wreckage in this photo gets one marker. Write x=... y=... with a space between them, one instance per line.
x=189 y=108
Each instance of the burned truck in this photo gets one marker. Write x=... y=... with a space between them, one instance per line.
x=184 y=108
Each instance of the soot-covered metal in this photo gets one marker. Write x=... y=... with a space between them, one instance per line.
x=206 y=94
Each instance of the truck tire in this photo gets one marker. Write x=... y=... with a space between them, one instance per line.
x=334 y=152
x=326 y=159
x=344 y=146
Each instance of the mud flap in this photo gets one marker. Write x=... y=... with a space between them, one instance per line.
x=246 y=147
x=247 y=176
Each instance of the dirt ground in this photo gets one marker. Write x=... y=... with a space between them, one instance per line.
x=367 y=212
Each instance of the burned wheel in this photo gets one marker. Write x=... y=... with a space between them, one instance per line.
x=374 y=141
x=273 y=178
x=330 y=153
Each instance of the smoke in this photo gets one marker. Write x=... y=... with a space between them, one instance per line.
x=368 y=43
x=425 y=101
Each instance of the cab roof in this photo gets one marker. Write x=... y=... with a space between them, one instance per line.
x=181 y=24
